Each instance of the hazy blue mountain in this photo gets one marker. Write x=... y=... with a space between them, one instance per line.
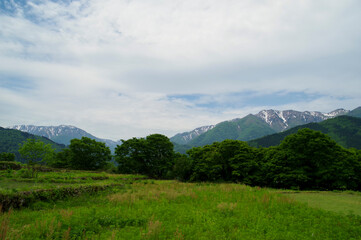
x=62 y=134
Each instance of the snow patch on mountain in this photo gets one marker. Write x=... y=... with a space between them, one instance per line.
x=265 y=116
x=282 y=120
x=185 y=137
x=336 y=113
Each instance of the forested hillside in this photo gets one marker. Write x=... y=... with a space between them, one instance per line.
x=244 y=129
x=345 y=130
x=10 y=140
x=355 y=113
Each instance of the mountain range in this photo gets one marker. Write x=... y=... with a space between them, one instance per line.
x=62 y=134
x=248 y=128
x=254 y=126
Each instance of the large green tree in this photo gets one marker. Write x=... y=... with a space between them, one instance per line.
x=310 y=159
x=63 y=159
x=152 y=156
x=229 y=160
x=35 y=151
x=131 y=156
x=88 y=154
x=160 y=155
x=246 y=165
x=182 y=168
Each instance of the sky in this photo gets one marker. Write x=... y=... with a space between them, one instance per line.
x=129 y=68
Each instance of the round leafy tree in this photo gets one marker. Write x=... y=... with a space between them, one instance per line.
x=88 y=154
x=311 y=160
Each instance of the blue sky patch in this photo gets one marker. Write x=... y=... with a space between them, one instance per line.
x=243 y=99
x=15 y=83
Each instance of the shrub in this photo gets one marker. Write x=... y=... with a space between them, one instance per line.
x=9 y=165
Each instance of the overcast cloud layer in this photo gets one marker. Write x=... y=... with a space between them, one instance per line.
x=122 y=68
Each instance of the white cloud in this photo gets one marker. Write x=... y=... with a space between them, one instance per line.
x=108 y=66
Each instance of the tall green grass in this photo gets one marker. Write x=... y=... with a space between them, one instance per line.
x=173 y=210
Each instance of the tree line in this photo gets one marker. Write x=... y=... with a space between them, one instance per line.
x=307 y=159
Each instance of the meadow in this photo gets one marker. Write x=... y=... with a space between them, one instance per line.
x=133 y=207
x=347 y=202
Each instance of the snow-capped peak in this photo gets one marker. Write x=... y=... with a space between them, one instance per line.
x=336 y=113
x=281 y=120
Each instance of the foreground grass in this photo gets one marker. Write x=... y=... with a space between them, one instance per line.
x=172 y=210
x=345 y=203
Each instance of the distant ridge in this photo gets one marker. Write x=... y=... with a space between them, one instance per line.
x=247 y=128
x=184 y=138
x=62 y=134
x=283 y=120
x=355 y=113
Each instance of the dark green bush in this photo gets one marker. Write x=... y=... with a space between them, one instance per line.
x=4 y=165
x=7 y=157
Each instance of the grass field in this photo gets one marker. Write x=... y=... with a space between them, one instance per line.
x=345 y=203
x=149 y=209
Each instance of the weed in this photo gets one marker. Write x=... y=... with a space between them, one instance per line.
x=5 y=225
x=153 y=231
x=66 y=214
x=66 y=235
x=227 y=206
x=178 y=235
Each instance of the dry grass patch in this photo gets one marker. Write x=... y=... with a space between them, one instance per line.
x=224 y=206
x=154 y=230
x=153 y=192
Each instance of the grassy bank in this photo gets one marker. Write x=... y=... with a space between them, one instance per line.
x=147 y=209
x=18 y=190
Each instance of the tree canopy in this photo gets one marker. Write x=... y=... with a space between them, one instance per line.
x=35 y=151
x=307 y=159
x=152 y=156
x=88 y=154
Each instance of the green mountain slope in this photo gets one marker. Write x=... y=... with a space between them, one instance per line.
x=355 y=113
x=244 y=129
x=10 y=140
x=345 y=130
x=181 y=148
